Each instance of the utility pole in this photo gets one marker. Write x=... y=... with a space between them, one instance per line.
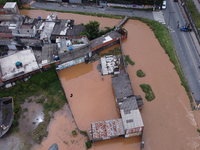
x=154 y=5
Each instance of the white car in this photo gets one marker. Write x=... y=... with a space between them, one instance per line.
x=164 y=5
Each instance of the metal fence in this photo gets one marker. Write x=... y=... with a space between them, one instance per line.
x=187 y=11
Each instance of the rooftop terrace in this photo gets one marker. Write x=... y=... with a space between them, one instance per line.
x=8 y=66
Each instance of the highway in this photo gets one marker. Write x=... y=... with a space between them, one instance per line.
x=184 y=46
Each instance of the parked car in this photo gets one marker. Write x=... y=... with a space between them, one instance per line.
x=175 y=0
x=164 y=5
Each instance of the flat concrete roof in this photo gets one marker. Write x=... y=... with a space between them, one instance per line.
x=48 y=28
x=10 y=5
x=8 y=67
x=105 y=38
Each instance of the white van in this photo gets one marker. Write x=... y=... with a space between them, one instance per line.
x=164 y=5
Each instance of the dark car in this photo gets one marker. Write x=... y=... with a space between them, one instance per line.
x=175 y=0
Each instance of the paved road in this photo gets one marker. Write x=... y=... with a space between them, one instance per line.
x=184 y=45
x=93 y=9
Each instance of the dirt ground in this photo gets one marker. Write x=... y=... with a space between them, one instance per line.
x=169 y=122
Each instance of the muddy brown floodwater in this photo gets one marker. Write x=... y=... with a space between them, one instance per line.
x=168 y=120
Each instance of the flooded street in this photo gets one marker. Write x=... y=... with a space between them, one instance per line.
x=168 y=120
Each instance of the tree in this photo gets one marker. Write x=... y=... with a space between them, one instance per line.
x=92 y=28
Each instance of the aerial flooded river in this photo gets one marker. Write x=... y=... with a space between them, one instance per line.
x=168 y=120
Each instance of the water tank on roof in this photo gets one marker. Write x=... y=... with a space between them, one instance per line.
x=39 y=17
x=18 y=63
x=70 y=48
x=56 y=57
x=68 y=21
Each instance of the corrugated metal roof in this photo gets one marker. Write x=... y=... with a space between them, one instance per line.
x=107 y=129
x=129 y=103
x=122 y=86
x=131 y=119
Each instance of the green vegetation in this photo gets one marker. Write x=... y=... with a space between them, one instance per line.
x=30 y=100
x=198 y=130
x=149 y=95
x=88 y=144
x=40 y=100
x=115 y=51
x=5 y=112
x=24 y=110
x=74 y=132
x=34 y=87
x=128 y=60
x=194 y=12
x=140 y=73
x=41 y=130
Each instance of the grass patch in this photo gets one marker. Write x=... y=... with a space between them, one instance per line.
x=194 y=12
x=40 y=100
x=34 y=87
x=24 y=110
x=30 y=100
x=149 y=95
x=128 y=60
x=41 y=130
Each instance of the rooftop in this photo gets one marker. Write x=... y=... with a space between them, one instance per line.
x=62 y=26
x=48 y=28
x=8 y=67
x=128 y=104
x=75 y=53
x=131 y=119
x=122 y=86
x=48 y=50
x=10 y=5
x=107 y=129
x=105 y=38
x=17 y=21
x=76 y=30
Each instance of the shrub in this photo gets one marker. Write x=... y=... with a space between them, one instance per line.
x=74 y=132
x=15 y=122
x=16 y=108
x=149 y=95
x=128 y=60
x=140 y=73
x=88 y=144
